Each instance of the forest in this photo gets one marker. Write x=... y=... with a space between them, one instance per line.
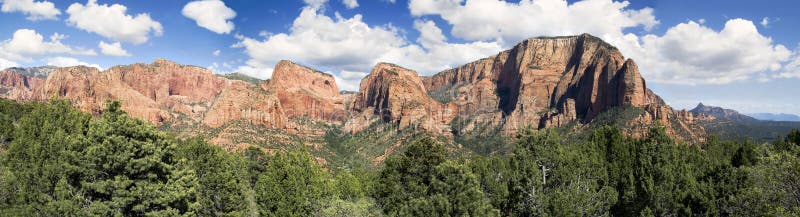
x=58 y=161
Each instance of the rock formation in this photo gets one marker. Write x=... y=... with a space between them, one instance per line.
x=397 y=95
x=545 y=82
x=541 y=82
x=306 y=92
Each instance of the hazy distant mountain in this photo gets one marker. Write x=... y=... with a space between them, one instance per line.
x=730 y=124
x=775 y=117
x=722 y=113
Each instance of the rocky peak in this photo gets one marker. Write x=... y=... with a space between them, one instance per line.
x=721 y=113
x=289 y=75
x=304 y=91
x=396 y=94
x=547 y=81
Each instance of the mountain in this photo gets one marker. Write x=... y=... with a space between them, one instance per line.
x=730 y=124
x=571 y=82
x=775 y=117
x=721 y=113
x=551 y=82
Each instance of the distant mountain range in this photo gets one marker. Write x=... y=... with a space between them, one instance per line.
x=730 y=124
x=775 y=117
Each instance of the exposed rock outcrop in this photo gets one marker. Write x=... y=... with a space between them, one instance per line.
x=541 y=82
x=15 y=85
x=395 y=94
x=306 y=92
x=546 y=82
x=162 y=92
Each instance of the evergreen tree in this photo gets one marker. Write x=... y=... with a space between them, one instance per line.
x=422 y=182
x=291 y=185
x=128 y=168
x=38 y=161
x=223 y=181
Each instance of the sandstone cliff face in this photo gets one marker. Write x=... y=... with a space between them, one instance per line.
x=162 y=92
x=147 y=91
x=394 y=94
x=541 y=82
x=306 y=92
x=546 y=82
x=14 y=85
x=242 y=101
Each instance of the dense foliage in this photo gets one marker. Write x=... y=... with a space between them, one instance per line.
x=57 y=161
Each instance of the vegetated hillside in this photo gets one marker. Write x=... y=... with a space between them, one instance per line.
x=58 y=161
x=730 y=124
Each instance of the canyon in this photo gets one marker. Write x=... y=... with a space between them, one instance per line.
x=543 y=82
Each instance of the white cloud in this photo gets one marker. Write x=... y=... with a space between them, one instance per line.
x=68 y=61
x=113 y=49
x=36 y=10
x=349 y=80
x=4 y=64
x=436 y=54
x=765 y=22
x=348 y=44
x=27 y=42
x=260 y=73
x=216 y=53
x=690 y=53
x=791 y=69
x=211 y=14
x=510 y=23
x=319 y=40
x=350 y=3
x=112 y=22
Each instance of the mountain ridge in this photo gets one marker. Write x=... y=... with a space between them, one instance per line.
x=542 y=82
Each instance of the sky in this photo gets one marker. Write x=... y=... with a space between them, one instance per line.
x=737 y=54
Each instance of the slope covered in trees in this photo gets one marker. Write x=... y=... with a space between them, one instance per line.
x=57 y=161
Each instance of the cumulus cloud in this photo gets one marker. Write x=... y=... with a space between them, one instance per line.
x=349 y=80
x=36 y=10
x=348 y=44
x=691 y=53
x=111 y=21
x=791 y=69
x=320 y=40
x=510 y=23
x=211 y=14
x=4 y=64
x=112 y=49
x=350 y=3
x=216 y=53
x=27 y=42
x=69 y=61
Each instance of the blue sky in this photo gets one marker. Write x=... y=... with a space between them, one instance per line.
x=734 y=53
